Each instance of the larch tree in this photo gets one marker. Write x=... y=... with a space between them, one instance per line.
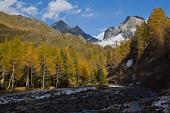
x=30 y=59
x=14 y=56
x=51 y=62
x=156 y=25
x=43 y=55
x=65 y=68
x=57 y=61
x=4 y=62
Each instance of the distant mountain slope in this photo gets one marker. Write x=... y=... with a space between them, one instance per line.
x=30 y=29
x=113 y=36
x=33 y=30
x=64 y=28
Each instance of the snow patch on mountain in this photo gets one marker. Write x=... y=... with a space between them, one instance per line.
x=113 y=41
x=100 y=36
x=113 y=36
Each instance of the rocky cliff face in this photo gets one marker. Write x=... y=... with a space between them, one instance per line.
x=114 y=35
x=111 y=32
x=127 y=28
x=64 y=28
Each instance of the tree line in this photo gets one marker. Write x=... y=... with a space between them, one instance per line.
x=40 y=66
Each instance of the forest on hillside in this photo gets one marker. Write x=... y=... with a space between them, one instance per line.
x=149 y=53
x=24 y=64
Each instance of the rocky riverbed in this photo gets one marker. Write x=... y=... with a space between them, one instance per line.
x=115 y=99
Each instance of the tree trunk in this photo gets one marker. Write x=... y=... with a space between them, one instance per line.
x=89 y=79
x=58 y=73
x=43 y=77
x=31 y=78
x=9 y=84
x=27 y=80
x=57 y=82
x=78 y=79
x=3 y=77
x=13 y=77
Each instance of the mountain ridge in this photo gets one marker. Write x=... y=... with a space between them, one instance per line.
x=113 y=36
x=32 y=30
x=62 y=27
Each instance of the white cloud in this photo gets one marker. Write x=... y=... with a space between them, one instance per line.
x=30 y=10
x=56 y=7
x=6 y=6
x=75 y=11
x=17 y=7
x=53 y=10
x=88 y=13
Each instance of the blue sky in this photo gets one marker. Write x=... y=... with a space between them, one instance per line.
x=93 y=16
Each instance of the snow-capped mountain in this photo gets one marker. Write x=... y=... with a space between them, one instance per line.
x=64 y=28
x=113 y=41
x=113 y=36
x=100 y=36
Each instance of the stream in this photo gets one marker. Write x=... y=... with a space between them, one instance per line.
x=89 y=99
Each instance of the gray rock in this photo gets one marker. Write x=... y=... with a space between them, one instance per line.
x=127 y=28
x=111 y=32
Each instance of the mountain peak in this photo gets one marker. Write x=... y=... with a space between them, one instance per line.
x=138 y=17
x=111 y=28
x=77 y=27
x=61 y=26
x=132 y=18
x=64 y=28
x=61 y=22
x=130 y=24
x=77 y=30
x=115 y=35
